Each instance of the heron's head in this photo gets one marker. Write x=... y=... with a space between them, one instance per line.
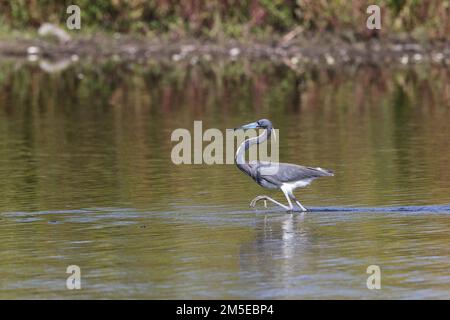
x=260 y=124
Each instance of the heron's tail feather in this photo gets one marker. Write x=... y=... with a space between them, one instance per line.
x=327 y=171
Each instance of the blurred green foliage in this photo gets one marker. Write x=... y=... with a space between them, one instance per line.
x=422 y=18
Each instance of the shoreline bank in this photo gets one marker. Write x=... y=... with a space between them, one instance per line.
x=295 y=53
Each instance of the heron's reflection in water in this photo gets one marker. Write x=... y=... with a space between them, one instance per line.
x=282 y=253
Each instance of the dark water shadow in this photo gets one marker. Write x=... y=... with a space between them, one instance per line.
x=409 y=209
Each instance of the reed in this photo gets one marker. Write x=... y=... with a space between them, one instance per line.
x=234 y=18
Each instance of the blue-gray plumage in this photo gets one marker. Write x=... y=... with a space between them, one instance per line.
x=284 y=176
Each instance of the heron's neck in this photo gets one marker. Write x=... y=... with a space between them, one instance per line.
x=240 y=153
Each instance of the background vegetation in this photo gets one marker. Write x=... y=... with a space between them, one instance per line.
x=234 y=18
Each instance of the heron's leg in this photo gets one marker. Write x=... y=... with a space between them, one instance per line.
x=286 y=194
x=298 y=202
x=258 y=198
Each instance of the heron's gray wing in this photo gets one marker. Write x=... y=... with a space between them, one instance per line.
x=286 y=172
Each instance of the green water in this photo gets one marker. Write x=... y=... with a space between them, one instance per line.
x=86 y=179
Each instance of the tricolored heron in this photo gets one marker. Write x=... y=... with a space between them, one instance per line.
x=271 y=175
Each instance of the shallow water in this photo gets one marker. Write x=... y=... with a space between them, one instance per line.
x=87 y=180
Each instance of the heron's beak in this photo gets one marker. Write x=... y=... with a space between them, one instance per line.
x=253 y=125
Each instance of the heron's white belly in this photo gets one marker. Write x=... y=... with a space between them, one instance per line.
x=297 y=184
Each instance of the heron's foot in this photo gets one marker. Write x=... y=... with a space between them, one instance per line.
x=265 y=199
x=301 y=208
x=296 y=210
x=258 y=198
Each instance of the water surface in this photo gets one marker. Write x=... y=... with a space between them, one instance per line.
x=86 y=179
